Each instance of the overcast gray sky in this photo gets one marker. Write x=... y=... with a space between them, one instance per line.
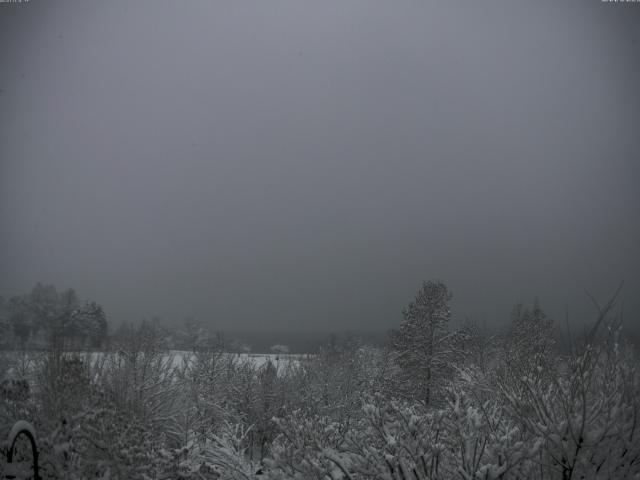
x=306 y=165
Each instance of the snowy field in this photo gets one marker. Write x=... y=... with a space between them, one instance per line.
x=257 y=359
x=17 y=363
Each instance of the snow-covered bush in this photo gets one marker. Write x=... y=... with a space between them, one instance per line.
x=587 y=418
x=391 y=439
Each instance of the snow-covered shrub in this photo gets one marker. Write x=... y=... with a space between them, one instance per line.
x=299 y=451
x=583 y=413
x=393 y=439
x=587 y=418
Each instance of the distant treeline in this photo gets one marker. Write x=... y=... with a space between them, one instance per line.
x=33 y=320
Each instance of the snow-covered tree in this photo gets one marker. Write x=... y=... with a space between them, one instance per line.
x=528 y=349
x=422 y=344
x=65 y=322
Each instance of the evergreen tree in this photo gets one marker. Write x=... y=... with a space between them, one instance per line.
x=530 y=343
x=421 y=343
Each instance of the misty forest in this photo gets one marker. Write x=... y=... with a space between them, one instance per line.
x=324 y=240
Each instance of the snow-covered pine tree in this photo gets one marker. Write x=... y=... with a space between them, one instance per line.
x=530 y=344
x=421 y=343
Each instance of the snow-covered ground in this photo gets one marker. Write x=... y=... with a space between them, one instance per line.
x=17 y=364
x=258 y=359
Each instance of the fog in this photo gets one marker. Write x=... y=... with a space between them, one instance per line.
x=304 y=166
